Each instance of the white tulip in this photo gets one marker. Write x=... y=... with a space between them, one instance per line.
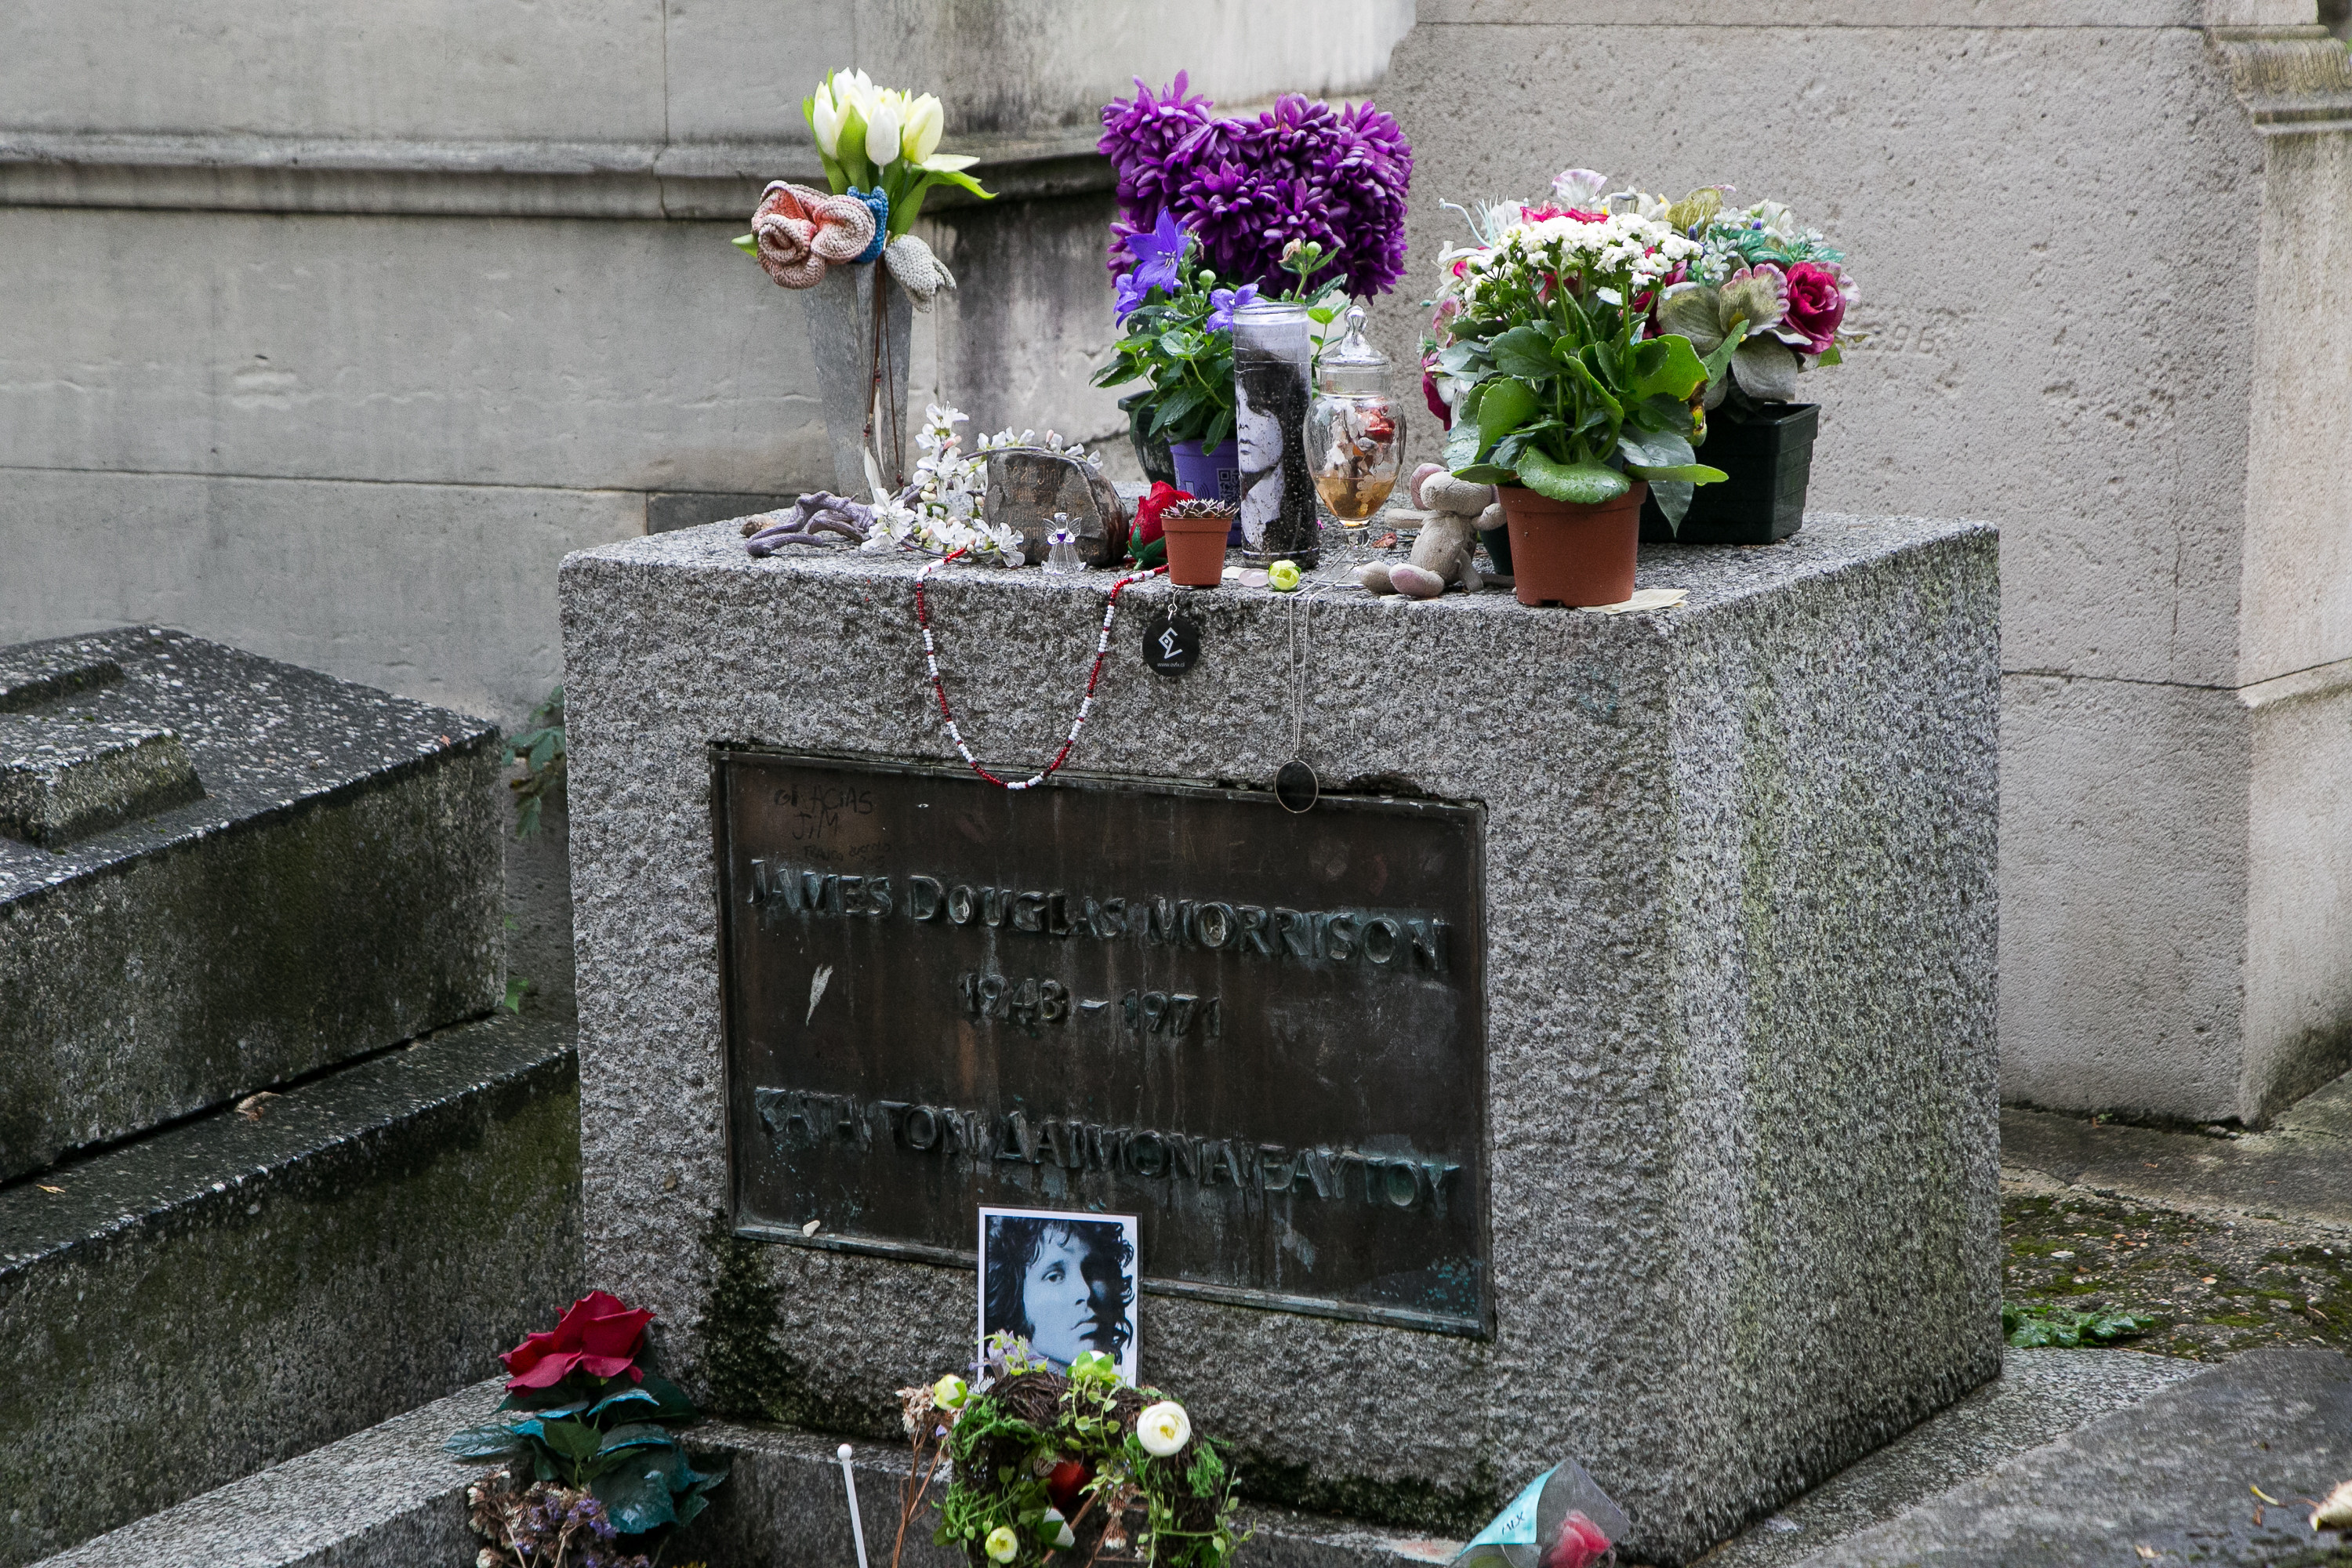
x=851 y=90
x=824 y=117
x=926 y=118
x=1163 y=1428
x=882 y=134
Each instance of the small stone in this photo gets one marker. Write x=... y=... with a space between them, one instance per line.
x=1373 y=577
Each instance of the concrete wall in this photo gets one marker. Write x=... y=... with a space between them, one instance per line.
x=2102 y=247
x=327 y=332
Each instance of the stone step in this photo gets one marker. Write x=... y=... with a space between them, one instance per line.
x=218 y=873
x=2179 y=1478
x=389 y=1497
x=189 y=1306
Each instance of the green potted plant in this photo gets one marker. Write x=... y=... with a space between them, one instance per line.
x=1179 y=341
x=1562 y=395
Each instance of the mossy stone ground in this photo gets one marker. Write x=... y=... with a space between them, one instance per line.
x=2215 y=1284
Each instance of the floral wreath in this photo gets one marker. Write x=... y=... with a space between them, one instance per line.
x=1048 y=1470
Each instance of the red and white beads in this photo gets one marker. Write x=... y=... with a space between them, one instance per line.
x=1086 y=704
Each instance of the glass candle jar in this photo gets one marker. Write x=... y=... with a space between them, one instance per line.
x=1273 y=354
x=1355 y=427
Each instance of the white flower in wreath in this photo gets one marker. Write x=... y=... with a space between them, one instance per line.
x=1164 y=1429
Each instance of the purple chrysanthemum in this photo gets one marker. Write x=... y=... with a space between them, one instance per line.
x=1246 y=188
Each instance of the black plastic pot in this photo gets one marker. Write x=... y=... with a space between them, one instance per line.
x=1764 y=499
x=1497 y=541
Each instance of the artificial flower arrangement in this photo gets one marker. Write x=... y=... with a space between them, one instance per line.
x=1779 y=290
x=1044 y=1469
x=1554 y=375
x=587 y=1454
x=879 y=147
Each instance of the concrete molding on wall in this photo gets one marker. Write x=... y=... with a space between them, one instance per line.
x=646 y=180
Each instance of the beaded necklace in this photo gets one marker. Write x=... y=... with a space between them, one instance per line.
x=1086 y=704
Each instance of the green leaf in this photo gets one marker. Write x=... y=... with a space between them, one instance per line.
x=748 y=244
x=1176 y=407
x=1687 y=473
x=1585 y=484
x=1766 y=370
x=957 y=178
x=1582 y=373
x=572 y=1439
x=1678 y=372
x=1674 y=499
x=492 y=1442
x=1221 y=425
x=1462 y=446
x=1525 y=352
x=637 y=1497
x=670 y=1401
x=1694 y=312
x=1654 y=448
x=1508 y=404
x=1486 y=474
x=637 y=1435
x=1830 y=355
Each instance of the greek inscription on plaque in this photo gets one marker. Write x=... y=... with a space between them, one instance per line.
x=1262 y=1033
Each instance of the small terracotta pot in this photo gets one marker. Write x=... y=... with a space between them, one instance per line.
x=1564 y=553
x=1196 y=549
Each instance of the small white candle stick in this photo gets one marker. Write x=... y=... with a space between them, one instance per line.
x=849 y=1485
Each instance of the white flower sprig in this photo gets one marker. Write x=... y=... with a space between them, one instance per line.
x=942 y=511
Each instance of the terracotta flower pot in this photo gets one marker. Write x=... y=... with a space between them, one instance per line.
x=1564 y=553
x=1196 y=549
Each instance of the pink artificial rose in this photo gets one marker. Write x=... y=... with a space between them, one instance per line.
x=1816 y=305
x=1581 y=1543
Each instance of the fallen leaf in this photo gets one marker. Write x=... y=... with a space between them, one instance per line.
x=47 y=1188
x=2148 y=1553
x=252 y=1105
x=2262 y=1494
x=2336 y=1512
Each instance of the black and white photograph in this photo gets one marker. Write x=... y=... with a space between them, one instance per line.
x=1064 y=1283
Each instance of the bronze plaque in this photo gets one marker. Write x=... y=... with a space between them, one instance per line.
x=1265 y=1035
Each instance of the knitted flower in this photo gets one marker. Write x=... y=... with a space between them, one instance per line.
x=801 y=232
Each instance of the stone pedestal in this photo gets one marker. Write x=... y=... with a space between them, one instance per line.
x=1738 y=941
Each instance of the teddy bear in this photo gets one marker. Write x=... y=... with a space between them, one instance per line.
x=1442 y=556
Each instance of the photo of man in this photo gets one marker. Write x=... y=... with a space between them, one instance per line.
x=1063 y=1283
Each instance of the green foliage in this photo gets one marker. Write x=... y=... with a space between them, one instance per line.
x=1188 y=367
x=1568 y=397
x=606 y=1434
x=2036 y=1327
x=540 y=749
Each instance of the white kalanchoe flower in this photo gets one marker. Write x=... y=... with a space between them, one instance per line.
x=950 y=1392
x=1163 y=1428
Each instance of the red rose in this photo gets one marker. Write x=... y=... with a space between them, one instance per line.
x=1580 y=1543
x=1436 y=404
x=1816 y=305
x=1147 y=509
x=599 y=1335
